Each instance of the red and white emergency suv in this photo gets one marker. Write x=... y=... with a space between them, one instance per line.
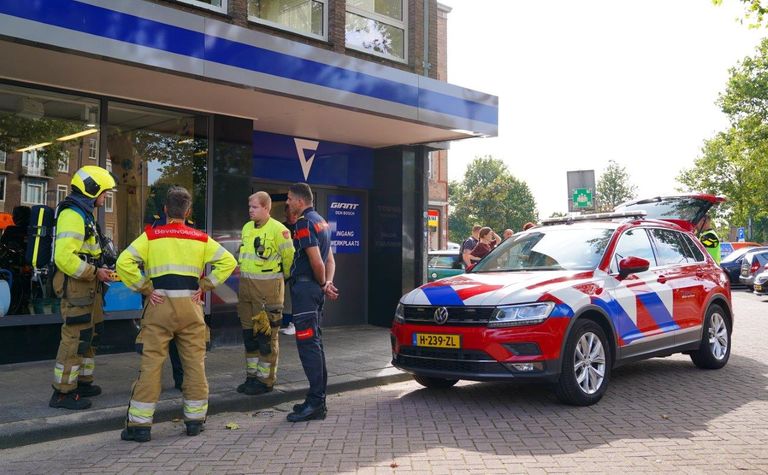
x=566 y=302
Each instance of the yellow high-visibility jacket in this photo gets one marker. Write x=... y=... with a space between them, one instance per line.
x=273 y=255
x=71 y=245
x=174 y=257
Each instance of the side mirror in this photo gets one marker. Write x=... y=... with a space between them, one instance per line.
x=632 y=265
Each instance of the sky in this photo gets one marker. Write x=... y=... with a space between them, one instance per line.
x=584 y=82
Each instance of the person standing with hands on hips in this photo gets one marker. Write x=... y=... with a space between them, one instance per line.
x=174 y=257
x=266 y=257
x=80 y=271
x=311 y=282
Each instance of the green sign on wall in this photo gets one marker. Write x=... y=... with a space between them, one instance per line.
x=582 y=198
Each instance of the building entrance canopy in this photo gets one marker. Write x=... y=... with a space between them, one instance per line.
x=175 y=58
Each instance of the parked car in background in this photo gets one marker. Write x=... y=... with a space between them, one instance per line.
x=726 y=248
x=751 y=264
x=565 y=303
x=444 y=264
x=453 y=245
x=761 y=282
x=731 y=264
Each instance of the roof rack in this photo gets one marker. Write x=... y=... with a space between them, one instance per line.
x=640 y=214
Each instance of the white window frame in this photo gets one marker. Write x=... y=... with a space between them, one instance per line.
x=2 y=156
x=109 y=202
x=93 y=145
x=63 y=165
x=401 y=24
x=61 y=190
x=26 y=182
x=207 y=6
x=280 y=26
x=2 y=189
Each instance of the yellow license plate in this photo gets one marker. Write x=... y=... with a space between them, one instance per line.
x=759 y=288
x=437 y=340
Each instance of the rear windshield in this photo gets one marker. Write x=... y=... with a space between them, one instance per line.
x=556 y=248
x=688 y=209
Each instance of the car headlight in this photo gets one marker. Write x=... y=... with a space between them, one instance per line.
x=400 y=313
x=514 y=315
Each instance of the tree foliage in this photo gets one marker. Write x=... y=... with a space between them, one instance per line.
x=734 y=162
x=489 y=196
x=754 y=12
x=613 y=187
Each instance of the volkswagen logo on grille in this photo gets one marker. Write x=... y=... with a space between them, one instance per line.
x=441 y=315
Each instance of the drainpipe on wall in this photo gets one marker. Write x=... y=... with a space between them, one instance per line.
x=425 y=63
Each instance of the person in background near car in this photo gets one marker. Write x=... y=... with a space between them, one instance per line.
x=469 y=244
x=709 y=238
x=488 y=240
x=287 y=327
x=508 y=233
x=528 y=226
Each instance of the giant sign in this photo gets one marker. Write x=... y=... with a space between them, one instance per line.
x=345 y=221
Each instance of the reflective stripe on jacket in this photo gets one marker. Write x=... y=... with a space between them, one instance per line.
x=274 y=254
x=71 y=243
x=174 y=257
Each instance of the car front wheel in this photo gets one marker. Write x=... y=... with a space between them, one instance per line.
x=434 y=383
x=586 y=365
x=715 y=347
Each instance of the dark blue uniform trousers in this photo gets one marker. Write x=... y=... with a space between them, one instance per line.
x=307 y=299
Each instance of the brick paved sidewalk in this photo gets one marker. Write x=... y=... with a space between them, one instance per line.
x=661 y=416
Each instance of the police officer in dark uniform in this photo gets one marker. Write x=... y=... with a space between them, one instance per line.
x=311 y=281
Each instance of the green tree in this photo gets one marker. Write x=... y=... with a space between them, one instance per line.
x=613 y=187
x=754 y=13
x=489 y=196
x=734 y=163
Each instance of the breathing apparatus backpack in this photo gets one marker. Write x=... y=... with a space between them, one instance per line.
x=42 y=224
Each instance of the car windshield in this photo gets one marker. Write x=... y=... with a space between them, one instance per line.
x=555 y=248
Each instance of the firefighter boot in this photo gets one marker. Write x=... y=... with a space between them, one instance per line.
x=68 y=401
x=194 y=428
x=87 y=389
x=137 y=434
x=247 y=384
x=256 y=388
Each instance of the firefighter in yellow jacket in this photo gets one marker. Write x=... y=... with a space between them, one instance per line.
x=266 y=256
x=174 y=257
x=78 y=282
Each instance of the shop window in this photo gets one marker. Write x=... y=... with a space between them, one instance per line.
x=151 y=150
x=109 y=202
x=38 y=129
x=215 y=5
x=307 y=17
x=61 y=192
x=64 y=162
x=377 y=27
x=33 y=191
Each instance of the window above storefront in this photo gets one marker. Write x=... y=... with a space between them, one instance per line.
x=215 y=5
x=378 y=27
x=306 y=17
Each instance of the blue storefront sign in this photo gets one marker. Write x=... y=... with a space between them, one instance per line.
x=345 y=220
x=296 y=159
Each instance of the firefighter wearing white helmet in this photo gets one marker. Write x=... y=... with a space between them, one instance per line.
x=80 y=271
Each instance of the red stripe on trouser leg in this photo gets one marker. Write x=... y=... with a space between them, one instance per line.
x=305 y=334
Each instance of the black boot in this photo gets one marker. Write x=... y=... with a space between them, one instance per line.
x=248 y=382
x=137 y=434
x=256 y=388
x=68 y=401
x=87 y=389
x=308 y=412
x=194 y=427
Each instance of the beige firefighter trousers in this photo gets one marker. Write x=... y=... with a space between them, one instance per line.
x=182 y=319
x=81 y=310
x=255 y=295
